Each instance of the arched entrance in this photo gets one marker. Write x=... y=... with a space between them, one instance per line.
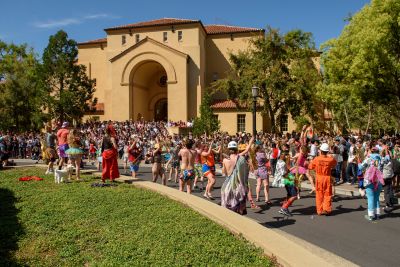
x=161 y=110
x=149 y=91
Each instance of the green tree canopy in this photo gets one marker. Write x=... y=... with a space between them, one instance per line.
x=69 y=90
x=19 y=94
x=282 y=66
x=207 y=122
x=362 y=66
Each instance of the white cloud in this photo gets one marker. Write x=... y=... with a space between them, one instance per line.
x=57 y=23
x=100 y=16
x=71 y=21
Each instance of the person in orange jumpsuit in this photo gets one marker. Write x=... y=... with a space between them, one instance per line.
x=323 y=165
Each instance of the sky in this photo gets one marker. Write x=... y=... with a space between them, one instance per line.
x=33 y=21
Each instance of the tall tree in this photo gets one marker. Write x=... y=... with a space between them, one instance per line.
x=69 y=89
x=207 y=122
x=282 y=67
x=19 y=95
x=364 y=61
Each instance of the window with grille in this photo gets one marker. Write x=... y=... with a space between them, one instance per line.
x=137 y=36
x=180 y=36
x=123 y=39
x=284 y=123
x=241 y=122
x=165 y=36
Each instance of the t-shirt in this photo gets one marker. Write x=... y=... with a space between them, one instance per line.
x=62 y=135
x=50 y=140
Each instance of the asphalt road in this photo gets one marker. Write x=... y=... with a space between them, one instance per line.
x=346 y=232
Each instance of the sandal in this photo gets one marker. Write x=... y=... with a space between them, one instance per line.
x=268 y=202
x=253 y=206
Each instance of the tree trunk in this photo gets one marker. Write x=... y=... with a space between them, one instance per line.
x=347 y=118
x=369 y=117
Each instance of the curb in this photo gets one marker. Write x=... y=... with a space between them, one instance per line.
x=287 y=249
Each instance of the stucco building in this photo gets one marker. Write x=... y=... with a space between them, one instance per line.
x=159 y=70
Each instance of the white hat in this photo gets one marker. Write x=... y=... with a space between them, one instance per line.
x=232 y=144
x=324 y=147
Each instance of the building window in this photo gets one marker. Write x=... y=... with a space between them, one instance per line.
x=241 y=122
x=123 y=39
x=165 y=36
x=284 y=123
x=180 y=36
x=137 y=36
x=215 y=116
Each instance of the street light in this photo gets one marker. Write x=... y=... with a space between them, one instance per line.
x=254 y=93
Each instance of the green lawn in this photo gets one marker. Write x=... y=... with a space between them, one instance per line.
x=44 y=224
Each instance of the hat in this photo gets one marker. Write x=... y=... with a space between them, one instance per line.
x=324 y=147
x=65 y=124
x=232 y=145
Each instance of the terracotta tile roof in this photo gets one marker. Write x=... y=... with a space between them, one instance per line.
x=155 y=22
x=225 y=104
x=221 y=29
x=97 y=41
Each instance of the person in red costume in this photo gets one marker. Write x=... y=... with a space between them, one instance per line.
x=110 y=153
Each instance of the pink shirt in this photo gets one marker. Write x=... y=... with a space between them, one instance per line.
x=62 y=135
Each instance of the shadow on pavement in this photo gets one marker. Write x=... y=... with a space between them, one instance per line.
x=279 y=222
x=10 y=227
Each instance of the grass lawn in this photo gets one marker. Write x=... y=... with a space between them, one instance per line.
x=44 y=224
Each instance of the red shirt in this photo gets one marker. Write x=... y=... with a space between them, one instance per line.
x=62 y=135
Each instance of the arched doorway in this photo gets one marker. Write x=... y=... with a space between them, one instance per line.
x=161 y=110
x=149 y=91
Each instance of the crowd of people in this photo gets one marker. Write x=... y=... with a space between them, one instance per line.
x=323 y=160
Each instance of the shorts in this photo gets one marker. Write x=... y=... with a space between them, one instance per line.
x=100 y=159
x=198 y=170
x=208 y=169
x=125 y=158
x=62 y=149
x=291 y=190
x=187 y=175
x=133 y=167
x=51 y=154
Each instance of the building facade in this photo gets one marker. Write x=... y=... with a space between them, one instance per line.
x=159 y=70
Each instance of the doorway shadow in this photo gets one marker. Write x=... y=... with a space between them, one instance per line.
x=11 y=229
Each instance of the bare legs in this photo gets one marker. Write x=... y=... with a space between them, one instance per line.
x=266 y=189
x=210 y=185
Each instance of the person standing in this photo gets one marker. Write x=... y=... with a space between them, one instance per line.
x=51 y=155
x=373 y=182
x=274 y=158
x=209 y=168
x=323 y=165
x=234 y=189
x=188 y=155
x=62 y=139
x=74 y=151
x=109 y=155
x=262 y=174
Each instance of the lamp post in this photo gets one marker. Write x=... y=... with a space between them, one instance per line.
x=254 y=93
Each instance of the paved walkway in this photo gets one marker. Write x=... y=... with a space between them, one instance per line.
x=346 y=233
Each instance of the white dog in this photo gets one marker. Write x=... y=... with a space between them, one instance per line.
x=62 y=175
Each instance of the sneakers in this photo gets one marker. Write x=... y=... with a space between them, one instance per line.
x=369 y=218
x=285 y=212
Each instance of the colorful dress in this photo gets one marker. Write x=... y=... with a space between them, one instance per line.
x=261 y=171
x=234 y=189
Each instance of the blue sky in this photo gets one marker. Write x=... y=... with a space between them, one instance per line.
x=33 y=21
